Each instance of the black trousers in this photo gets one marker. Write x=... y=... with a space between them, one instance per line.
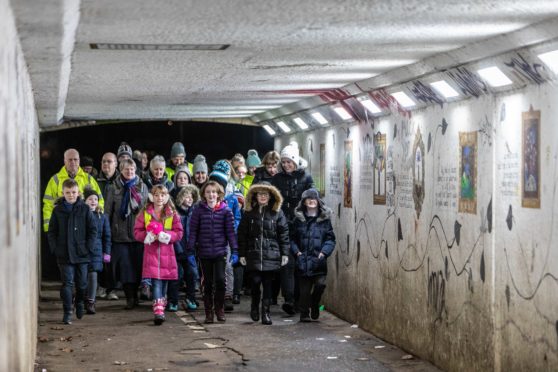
x=213 y=275
x=265 y=280
x=311 y=290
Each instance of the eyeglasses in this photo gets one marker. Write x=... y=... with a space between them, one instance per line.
x=108 y=161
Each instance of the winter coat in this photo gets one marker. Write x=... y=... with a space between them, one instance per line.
x=105 y=182
x=263 y=235
x=159 y=261
x=212 y=231
x=71 y=233
x=291 y=186
x=310 y=236
x=102 y=242
x=165 y=181
x=261 y=175
x=181 y=246
x=54 y=191
x=122 y=230
x=244 y=184
x=234 y=206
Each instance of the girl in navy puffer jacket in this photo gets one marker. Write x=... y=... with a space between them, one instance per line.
x=211 y=230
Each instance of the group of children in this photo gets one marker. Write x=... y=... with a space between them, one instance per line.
x=186 y=234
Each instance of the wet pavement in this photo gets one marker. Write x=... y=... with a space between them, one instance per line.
x=115 y=339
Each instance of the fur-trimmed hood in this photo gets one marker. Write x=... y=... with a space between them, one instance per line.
x=188 y=189
x=325 y=212
x=275 y=198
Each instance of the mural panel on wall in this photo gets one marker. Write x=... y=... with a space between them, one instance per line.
x=418 y=172
x=468 y=172
x=530 y=171
x=321 y=184
x=380 y=168
x=348 y=175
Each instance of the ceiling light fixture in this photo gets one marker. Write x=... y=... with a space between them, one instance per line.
x=269 y=130
x=494 y=76
x=403 y=99
x=284 y=127
x=301 y=123
x=444 y=89
x=370 y=106
x=551 y=60
x=319 y=118
x=343 y=114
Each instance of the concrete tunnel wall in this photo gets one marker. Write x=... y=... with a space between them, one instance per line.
x=466 y=282
x=20 y=198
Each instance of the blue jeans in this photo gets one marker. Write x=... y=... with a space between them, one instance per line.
x=159 y=288
x=67 y=273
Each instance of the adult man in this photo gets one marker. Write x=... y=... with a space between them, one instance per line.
x=177 y=157
x=71 y=169
x=108 y=172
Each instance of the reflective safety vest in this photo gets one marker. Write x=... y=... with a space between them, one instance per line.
x=167 y=225
x=170 y=172
x=244 y=185
x=54 y=191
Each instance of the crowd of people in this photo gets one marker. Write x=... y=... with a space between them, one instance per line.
x=153 y=227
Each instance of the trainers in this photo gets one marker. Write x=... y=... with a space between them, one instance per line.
x=101 y=292
x=173 y=308
x=228 y=306
x=191 y=305
x=236 y=299
x=112 y=296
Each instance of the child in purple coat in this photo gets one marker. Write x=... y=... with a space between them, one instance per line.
x=211 y=231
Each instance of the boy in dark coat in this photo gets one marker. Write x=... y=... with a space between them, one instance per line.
x=312 y=242
x=71 y=237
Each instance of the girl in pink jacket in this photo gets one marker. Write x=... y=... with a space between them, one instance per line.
x=158 y=227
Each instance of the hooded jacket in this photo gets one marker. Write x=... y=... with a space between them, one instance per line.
x=71 y=233
x=102 y=241
x=291 y=186
x=311 y=236
x=263 y=234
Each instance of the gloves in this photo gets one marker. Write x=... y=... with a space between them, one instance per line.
x=164 y=237
x=320 y=256
x=234 y=259
x=106 y=258
x=149 y=238
x=192 y=261
x=243 y=261
x=284 y=260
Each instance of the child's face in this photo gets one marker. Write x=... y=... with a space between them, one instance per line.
x=160 y=198
x=311 y=203
x=92 y=201
x=211 y=195
x=241 y=172
x=271 y=168
x=188 y=200
x=158 y=171
x=263 y=198
x=71 y=194
x=182 y=179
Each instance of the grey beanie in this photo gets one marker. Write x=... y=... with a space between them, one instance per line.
x=177 y=149
x=199 y=164
x=124 y=149
x=310 y=194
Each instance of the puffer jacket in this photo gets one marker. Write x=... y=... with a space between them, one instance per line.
x=165 y=181
x=211 y=231
x=159 y=261
x=185 y=217
x=71 y=233
x=291 y=186
x=263 y=235
x=122 y=230
x=310 y=236
x=261 y=175
x=102 y=241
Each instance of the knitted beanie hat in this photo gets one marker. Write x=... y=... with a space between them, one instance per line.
x=310 y=194
x=86 y=161
x=199 y=164
x=124 y=149
x=88 y=191
x=221 y=172
x=253 y=160
x=291 y=152
x=182 y=168
x=177 y=149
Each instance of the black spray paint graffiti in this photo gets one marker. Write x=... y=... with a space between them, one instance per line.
x=486 y=131
x=437 y=293
x=522 y=68
x=469 y=83
x=425 y=94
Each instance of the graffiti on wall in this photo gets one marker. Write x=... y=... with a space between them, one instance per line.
x=531 y=72
x=469 y=83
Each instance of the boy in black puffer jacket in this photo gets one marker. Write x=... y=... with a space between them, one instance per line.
x=312 y=242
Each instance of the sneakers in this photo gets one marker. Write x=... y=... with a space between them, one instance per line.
x=228 y=305
x=90 y=307
x=67 y=319
x=191 y=305
x=173 y=308
x=236 y=299
x=111 y=296
x=101 y=293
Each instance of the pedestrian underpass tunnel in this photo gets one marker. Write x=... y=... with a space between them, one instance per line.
x=428 y=127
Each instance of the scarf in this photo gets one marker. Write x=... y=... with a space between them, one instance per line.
x=131 y=199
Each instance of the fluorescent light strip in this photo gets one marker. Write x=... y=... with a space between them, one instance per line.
x=269 y=130
x=403 y=99
x=494 y=76
x=319 y=118
x=301 y=124
x=284 y=127
x=343 y=114
x=370 y=106
x=444 y=89
x=551 y=60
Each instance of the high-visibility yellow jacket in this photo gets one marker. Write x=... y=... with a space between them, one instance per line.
x=54 y=191
x=244 y=184
x=170 y=172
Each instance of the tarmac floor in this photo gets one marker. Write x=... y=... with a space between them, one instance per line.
x=115 y=339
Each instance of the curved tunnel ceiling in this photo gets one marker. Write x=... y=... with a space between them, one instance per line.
x=277 y=52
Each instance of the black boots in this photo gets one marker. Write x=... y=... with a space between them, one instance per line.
x=208 y=305
x=130 y=291
x=255 y=306
x=266 y=317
